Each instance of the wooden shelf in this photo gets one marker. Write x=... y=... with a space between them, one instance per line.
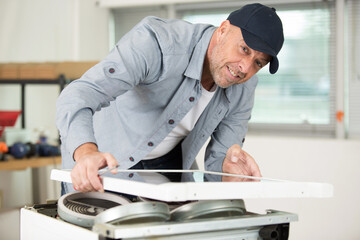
x=21 y=164
x=30 y=81
x=61 y=81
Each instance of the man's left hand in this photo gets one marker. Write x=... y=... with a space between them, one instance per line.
x=237 y=161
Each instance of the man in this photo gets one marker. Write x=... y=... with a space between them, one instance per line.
x=165 y=88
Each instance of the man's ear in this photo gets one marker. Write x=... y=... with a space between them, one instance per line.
x=223 y=29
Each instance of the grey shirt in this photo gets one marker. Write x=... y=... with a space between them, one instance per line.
x=125 y=103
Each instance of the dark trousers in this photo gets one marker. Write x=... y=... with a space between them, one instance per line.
x=171 y=160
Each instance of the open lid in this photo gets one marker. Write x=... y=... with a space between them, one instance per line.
x=186 y=191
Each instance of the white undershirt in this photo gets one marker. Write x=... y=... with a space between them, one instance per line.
x=185 y=125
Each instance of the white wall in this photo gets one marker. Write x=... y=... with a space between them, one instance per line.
x=332 y=161
x=56 y=30
x=313 y=160
x=41 y=31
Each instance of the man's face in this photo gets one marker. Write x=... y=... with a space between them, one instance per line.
x=232 y=61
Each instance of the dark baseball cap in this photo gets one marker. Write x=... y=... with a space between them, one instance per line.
x=262 y=30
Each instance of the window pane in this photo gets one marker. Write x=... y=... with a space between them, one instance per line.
x=353 y=65
x=300 y=91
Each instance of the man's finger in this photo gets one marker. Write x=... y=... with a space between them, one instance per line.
x=95 y=181
x=74 y=180
x=82 y=178
x=239 y=162
x=235 y=168
x=111 y=162
x=253 y=167
x=235 y=154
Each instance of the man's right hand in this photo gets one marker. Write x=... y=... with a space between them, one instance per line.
x=89 y=160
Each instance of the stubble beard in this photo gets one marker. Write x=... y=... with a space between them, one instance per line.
x=216 y=66
x=218 y=69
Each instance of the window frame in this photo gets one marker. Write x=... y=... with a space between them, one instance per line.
x=338 y=55
x=296 y=129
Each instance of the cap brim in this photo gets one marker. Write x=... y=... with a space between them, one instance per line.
x=274 y=65
x=260 y=45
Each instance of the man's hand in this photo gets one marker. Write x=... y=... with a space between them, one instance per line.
x=89 y=160
x=237 y=161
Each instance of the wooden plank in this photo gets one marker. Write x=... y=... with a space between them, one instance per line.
x=21 y=164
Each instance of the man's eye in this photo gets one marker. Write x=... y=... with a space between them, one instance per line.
x=245 y=49
x=259 y=64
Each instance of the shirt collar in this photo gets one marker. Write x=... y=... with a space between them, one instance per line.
x=195 y=67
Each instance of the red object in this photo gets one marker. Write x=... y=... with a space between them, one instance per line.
x=8 y=119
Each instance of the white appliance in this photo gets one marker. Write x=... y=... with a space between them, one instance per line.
x=192 y=210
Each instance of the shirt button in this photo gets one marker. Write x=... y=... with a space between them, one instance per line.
x=131 y=159
x=131 y=175
x=150 y=144
x=111 y=70
x=191 y=99
x=171 y=121
x=243 y=140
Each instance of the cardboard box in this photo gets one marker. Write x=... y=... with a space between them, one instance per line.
x=74 y=70
x=9 y=71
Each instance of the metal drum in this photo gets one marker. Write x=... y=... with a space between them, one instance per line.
x=208 y=209
x=138 y=212
x=82 y=208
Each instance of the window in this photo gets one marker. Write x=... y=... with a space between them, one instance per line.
x=353 y=71
x=300 y=99
x=300 y=95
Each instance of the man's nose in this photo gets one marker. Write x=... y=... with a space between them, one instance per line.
x=245 y=65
